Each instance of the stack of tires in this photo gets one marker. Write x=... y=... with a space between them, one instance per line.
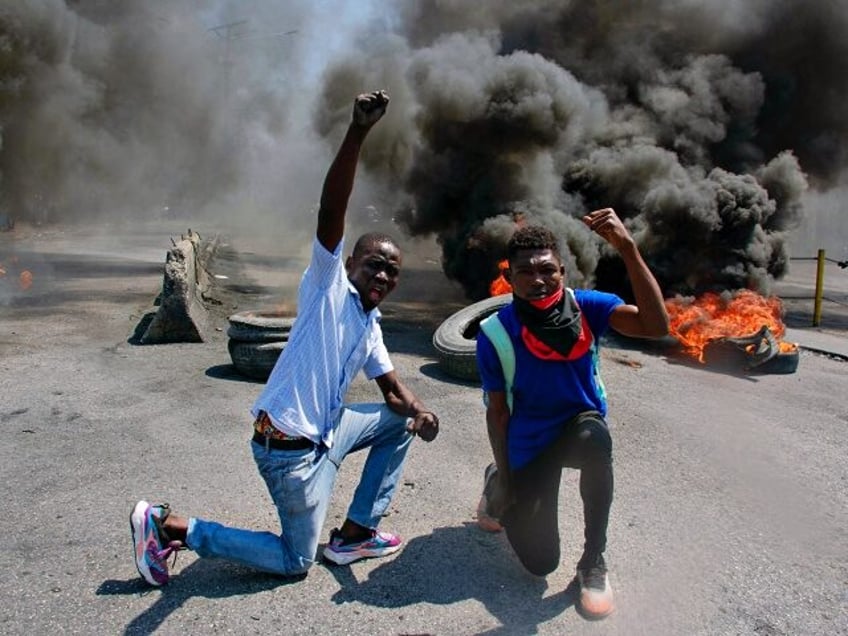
x=256 y=340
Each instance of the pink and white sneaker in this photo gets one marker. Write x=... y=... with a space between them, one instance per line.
x=151 y=547
x=378 y=544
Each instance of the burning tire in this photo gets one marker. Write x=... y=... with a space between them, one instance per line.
x=755 y=354
x=255 y=359
x=783 y=362
x=455 y=340
x=257 y=326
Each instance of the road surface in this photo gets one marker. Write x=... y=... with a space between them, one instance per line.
x=731 y=501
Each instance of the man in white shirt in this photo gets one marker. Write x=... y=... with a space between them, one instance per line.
x=303 y=430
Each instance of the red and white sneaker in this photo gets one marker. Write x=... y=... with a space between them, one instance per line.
x=595 y=590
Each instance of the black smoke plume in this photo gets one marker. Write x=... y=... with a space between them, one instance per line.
x=701 y=123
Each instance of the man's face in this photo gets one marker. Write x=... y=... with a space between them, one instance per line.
x=374 y=272
x=535 y=274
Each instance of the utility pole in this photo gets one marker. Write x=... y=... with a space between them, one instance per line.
x=228 y=33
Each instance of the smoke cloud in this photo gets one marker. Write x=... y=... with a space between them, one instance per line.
x=703 y=124
x=126 y=109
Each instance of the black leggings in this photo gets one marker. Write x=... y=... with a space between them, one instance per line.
x=532 y=523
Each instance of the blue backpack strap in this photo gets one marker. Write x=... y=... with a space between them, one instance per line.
x=497 y=334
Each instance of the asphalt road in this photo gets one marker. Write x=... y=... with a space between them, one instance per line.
x=731 y=501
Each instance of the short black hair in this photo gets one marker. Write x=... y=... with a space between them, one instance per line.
x=532 y=237
x=369 y=239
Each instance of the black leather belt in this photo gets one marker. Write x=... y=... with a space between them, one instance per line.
x=295 y=443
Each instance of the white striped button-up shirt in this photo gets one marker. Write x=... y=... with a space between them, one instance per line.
x=331 y=341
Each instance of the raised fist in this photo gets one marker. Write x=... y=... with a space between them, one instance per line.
x=606 y=224
x=368 y=108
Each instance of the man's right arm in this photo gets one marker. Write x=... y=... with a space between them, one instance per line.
x=338 y=184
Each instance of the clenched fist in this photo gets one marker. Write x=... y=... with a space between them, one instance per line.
x=368 y=108
x=425 y=425
x=606 y=223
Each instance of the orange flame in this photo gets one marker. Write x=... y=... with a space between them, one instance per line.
x=712 y=316
x=499 y=285
x=24 y=276
x=25 y=279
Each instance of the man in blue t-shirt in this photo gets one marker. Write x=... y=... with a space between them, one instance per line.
x=551 y=413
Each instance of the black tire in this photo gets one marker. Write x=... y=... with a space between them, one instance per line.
x=783 y=362
x=255 y=359
x=756 y=354
x=259 y=326
x=455 y=340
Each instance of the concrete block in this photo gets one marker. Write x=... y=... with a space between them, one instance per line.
x=181 y=316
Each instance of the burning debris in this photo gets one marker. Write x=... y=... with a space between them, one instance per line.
x=742 y=330
x=757 y=353
x=697 y=322
x=500 y=285
x=13 y=277
x=25 y=279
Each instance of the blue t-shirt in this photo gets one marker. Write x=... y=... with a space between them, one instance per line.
x=546 y=393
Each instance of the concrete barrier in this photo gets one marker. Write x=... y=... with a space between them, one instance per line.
x=181 y=315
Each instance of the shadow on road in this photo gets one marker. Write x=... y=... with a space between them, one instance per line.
x=229 y=372
x=434 y=371
x=205 y=578
x=454 y=564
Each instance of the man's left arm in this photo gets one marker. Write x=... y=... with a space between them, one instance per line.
x=401 y=400
x=648 y=318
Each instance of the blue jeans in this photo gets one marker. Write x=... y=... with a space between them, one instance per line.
x=301 y=482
